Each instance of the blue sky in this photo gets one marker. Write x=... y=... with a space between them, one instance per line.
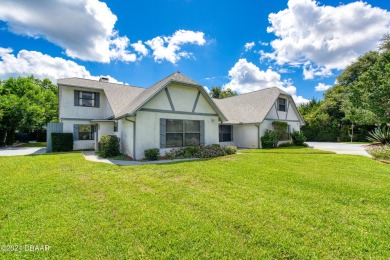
x=298 y=45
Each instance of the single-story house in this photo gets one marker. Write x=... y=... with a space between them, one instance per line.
x=174 y=112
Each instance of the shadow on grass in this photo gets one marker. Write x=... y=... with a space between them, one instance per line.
x=286 y=150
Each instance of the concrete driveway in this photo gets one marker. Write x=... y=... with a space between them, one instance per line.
x=340 y=148
x=15 y=151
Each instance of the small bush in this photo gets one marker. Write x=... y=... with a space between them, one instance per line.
x=152 y=154
x=287 y=144
x=191 y=151
x=380 y=135
x=382 y=153
x=269 y=139
x=109 y=146
x=210 y=151
x=230 y=149
x=280 y=129
x=62 y=142
x=298 y=138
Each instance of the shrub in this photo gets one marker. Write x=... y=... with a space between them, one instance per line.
x=380 y=135
x=298 y=138
x=230 y=149
x=280 y=129
x=287 y=144
x=152 y=154
x=62 y=142
x=191 y=151
x=109 y=146
x=382 y=153
x=210 y=151
x=269 y=139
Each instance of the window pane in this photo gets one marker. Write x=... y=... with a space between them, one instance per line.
x=87 y=102
x=174 y=126
x=86 y=132
x=282 y=104
x=225 y=128
x=192 y=126
x=87 y=95
x=227 y=137
x=174 y=140
x=192 y=139
x=85 y=128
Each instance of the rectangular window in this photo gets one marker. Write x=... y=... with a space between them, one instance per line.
x=116 y=126
x=282 y=102
x=225 y=133
x=181 y=133
x=86 y=98
x=86 y=132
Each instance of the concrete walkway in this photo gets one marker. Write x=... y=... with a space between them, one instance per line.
x=16 y=151
x=91 y=156
x=340 y=148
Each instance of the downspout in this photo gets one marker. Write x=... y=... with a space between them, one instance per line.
x=258 y=135
x=133 y=121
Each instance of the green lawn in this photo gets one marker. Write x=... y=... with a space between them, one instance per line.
x=36 y=144
x=289 y=203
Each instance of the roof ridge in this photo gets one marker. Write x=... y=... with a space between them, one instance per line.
x=249 y=93
x=122 y=84
x=163 y=79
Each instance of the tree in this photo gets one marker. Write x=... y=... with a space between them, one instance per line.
x=218 y=92
x=26 y=105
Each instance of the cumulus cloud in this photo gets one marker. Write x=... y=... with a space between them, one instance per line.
x=169 y=47
x=322 y=87
x=326 y=36
x=140 y=48
x=84 y=28
x=310 y=72
x=249 y=45
x=247 y=77
x=41 y=66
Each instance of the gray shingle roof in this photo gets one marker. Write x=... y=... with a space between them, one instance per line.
x=251 y=107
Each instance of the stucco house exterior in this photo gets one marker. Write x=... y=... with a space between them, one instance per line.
x=174 y=112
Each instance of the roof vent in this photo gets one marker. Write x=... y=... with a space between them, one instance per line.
x=104 y=79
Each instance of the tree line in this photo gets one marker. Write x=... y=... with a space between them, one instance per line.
x=356 y=104
x=26 y=105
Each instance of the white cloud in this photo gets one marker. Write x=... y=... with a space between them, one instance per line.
x=309 y=72
x=263 y=43
x=249 y=45
x=169 y=47
x=84 y=28
x=322 y=87
x=41 y=66
x=140 y=48
x=329 y=37
x=247 y=77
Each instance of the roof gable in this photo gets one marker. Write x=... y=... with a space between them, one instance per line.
x=152 y=91
x=251 y=107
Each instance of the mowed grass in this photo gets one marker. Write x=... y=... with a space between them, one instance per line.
x=288 y=204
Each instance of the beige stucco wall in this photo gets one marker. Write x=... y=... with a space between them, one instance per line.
x=245 y=136
x=105 y=128
x=67 y=109
x=125 y=133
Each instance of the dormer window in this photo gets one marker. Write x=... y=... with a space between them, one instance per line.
x=86 y=98
x=282 y=104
